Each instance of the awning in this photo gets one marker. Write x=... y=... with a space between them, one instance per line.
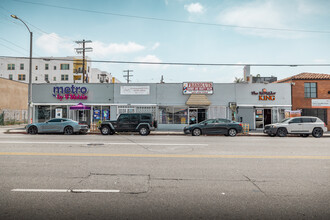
x=198 y=100
x=80 y=106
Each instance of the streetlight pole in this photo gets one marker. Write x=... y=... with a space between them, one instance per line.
x=30 y=73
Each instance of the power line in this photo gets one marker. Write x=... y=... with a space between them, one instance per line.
x=175 y=63
x=173 y=20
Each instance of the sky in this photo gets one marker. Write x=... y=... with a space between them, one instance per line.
x=175 y=31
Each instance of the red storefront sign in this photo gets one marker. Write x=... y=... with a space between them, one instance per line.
x=197 y=88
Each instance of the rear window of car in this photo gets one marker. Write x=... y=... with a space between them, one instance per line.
x=308 y=120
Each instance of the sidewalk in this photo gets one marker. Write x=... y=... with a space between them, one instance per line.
x=20 y=129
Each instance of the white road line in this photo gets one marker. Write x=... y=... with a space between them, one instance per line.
x=68 y=190
x=109 y=143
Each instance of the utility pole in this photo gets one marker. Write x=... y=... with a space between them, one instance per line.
x=127 y=75
x=83 y=50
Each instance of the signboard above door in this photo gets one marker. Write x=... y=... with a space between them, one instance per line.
x=197 y=88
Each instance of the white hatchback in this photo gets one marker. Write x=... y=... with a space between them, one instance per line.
x=304 y=126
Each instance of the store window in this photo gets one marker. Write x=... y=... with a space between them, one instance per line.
x=59 y=111
x=310 y=90
x=173 y=115
x=42 y=113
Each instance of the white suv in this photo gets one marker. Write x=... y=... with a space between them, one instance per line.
x=304 y=126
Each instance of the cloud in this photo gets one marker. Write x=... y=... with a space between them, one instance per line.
x=100 y=48
x=268 y=14
x=151 y=59
x=53 y=44
x=195 y=8
x=155 y=46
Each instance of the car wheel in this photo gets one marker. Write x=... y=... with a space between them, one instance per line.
x=33 y=130
x=68 y=130
x=196 y=132
x=282 y=132
x=304 y=135
x=105 y=130
x=144 y=131
x=232 y=132
x=317 y=132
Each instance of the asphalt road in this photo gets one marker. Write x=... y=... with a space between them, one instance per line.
x=163 y=177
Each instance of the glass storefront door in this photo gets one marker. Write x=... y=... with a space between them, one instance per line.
x=263 y=117
x=197 y=115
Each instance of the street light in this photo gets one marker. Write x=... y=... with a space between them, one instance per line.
x=30 y=73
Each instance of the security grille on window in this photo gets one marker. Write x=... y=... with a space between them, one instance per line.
x=64 y=77
x=136 y=109
x=11 y=67
x=65 y=66
x=310 y=90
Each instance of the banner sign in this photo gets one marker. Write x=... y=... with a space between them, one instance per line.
x=134 y=90
x=197 y=88
x=320 y=103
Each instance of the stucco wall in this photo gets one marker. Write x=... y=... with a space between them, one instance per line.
x=13 y=99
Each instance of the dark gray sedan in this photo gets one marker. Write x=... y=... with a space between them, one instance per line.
x=214 y=126
x=57 y=125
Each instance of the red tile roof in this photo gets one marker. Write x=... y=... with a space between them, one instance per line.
x=311 y=76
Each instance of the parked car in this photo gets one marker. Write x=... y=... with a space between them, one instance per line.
x=134 y=122
x=214 y=126
x=304 y=126
x=57 y=125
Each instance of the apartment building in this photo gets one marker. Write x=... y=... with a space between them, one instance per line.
x=46 y=69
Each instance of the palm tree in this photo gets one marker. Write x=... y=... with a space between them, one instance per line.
x=238 y=80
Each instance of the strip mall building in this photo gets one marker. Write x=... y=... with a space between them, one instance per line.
x=173 y=104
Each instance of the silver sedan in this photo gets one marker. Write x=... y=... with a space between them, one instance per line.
x=57 y=125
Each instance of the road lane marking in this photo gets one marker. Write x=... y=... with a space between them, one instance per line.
x=86 y=143
x=68 y=190
x=165 y=155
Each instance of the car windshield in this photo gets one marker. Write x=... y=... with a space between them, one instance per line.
x=284 y=120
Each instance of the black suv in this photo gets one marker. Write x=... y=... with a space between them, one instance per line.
x=136 y=122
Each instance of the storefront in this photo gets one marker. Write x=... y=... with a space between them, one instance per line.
x=174 y=105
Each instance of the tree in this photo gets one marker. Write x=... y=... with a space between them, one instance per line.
x=238 y=80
